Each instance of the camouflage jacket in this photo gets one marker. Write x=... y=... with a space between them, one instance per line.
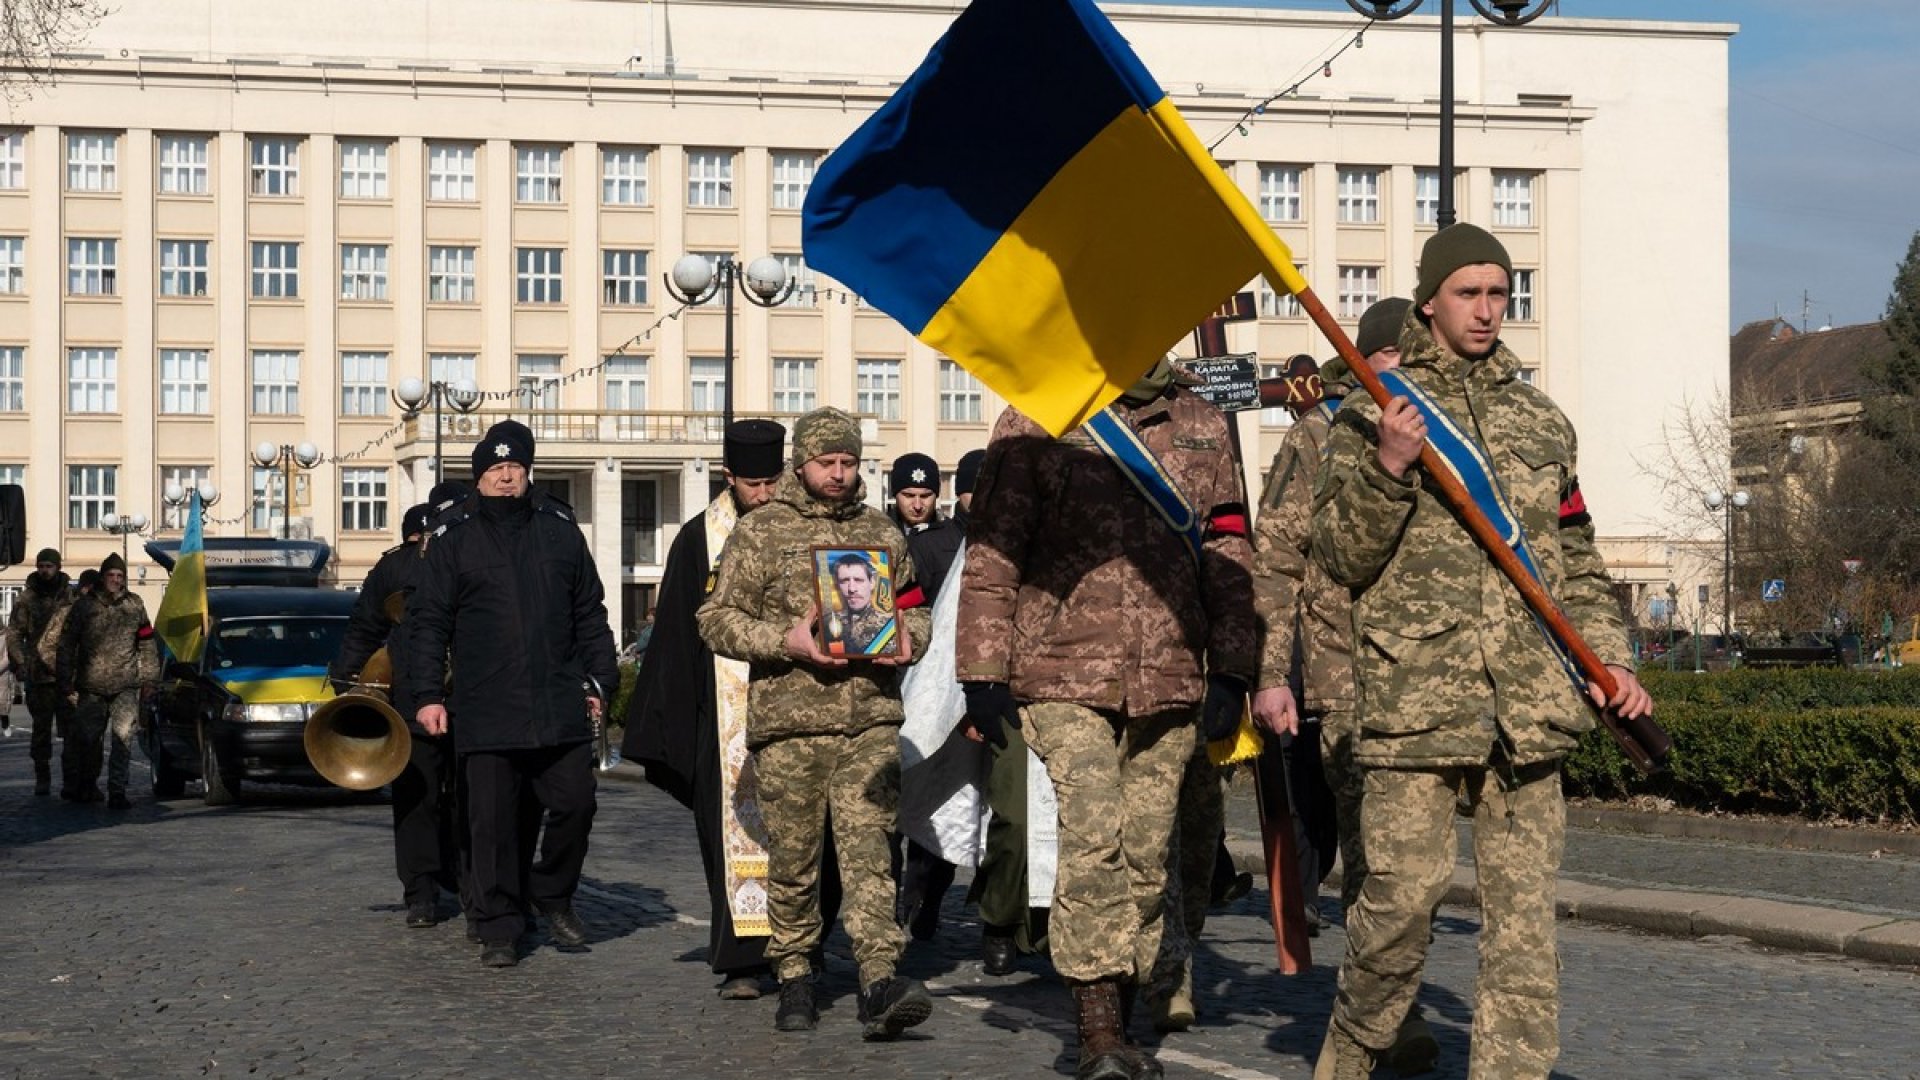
x=108 y=645
x=1447 y=658
x=33 y=612
x=1302 y=612
x=766 y=583
x=1076 y=589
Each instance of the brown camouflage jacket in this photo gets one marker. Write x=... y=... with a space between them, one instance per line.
x=1447 y=657
x=1300 y=608
x=33 y=612
x=108 y=645
x=766 y=583
x=1077 y=590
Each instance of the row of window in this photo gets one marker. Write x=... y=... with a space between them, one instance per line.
x=1357 y=195
x=92 y=493
x=93 y=267
x=1359 y=289
x=93 y=383
x=452 y=169
x=540 y=171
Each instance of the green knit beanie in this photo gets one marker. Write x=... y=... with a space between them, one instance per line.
x=1380 y=326
x=1450 y=249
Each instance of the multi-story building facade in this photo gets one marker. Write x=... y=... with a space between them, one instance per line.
x=235 y=224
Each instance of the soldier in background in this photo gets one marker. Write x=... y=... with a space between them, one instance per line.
x=1306 y=624
x=108 y=664
x=39 y=610
x=965 y=475
x=824 y=730
x=1462 y=699
x=1103 y=634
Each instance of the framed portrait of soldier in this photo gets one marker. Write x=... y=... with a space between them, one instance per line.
x=855 y=589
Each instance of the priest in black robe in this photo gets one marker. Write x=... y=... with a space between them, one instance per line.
x=674 y=716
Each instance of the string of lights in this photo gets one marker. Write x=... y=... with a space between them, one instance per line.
x=1322 y=66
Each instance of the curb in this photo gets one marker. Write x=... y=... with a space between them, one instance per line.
x=1772 y=923
x=1799 y=836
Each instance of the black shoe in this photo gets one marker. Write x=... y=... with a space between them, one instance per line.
x=71 y=794
x=90 y=794
x=1227 y=889
x=473 y=932
x=891 y=1006
x=925 y=921
x=997 y=954
x=42 y=787
x=499 y=954
x=421 y=915
x=119 y=801
x=797 y=1011
x=566 y=927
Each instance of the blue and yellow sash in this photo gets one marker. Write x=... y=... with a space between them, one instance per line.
x=1123 y=446
x=1464 y=457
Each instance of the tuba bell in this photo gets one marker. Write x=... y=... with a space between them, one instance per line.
x=358 y=740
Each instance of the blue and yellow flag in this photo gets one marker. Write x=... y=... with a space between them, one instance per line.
x=1032 y=205
x=182 y=619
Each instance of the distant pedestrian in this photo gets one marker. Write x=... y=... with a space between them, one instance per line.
x=39 y=611
x=109 y=664
x=511 y=602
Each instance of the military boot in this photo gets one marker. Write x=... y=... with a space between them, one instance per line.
x=1103 y=1040
x=1144 y=1067
x=1414 y=1050
x=1342 y=1058
x=892 y=1005
x=796 y=1011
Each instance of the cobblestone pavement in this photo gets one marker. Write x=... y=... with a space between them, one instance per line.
x=178 y=940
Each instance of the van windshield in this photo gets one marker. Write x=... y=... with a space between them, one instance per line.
x=276 y=642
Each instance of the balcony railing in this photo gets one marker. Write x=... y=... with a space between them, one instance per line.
x=588 y=425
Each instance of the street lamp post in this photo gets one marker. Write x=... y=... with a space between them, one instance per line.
x=413 y=396
x=177 y=496
x=286 y=456
x=1729 y=501
x=763 y=282
x=1503 y=12
x=123 y=527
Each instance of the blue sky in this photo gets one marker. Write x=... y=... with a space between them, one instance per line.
x=1825 y=143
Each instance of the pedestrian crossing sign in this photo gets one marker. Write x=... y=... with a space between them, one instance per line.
x=1774 y=589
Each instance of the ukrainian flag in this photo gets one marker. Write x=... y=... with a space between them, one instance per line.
x=182 y=619
x=1032 y=205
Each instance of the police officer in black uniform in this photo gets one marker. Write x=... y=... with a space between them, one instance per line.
x=426 y=850
x=509 y=598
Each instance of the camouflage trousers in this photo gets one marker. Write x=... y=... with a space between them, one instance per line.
x=857 y=778
x=1337 y=731
x=108 y=718
x=1190 y=854
x=1519 y=830
x=1116 y=780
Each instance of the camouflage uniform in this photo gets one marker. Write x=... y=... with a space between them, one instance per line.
x=1460 y=697
x=1302 y=612
x=1190 y=854
x=822 y=739
x=107 y=656
x=33 y=613
x=1079 y=595
x=863 y=627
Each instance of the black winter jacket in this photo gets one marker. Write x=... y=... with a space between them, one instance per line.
x=369 y=627
x=510 y=596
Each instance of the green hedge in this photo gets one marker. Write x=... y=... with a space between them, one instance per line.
x=1819 y=744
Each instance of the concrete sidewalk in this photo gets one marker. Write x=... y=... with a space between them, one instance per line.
x=1850 y=892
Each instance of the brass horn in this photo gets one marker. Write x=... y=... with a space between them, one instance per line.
x=358 y=740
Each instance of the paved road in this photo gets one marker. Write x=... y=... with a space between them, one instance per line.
x=266 y=940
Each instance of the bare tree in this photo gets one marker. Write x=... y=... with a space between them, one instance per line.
x=33 y=34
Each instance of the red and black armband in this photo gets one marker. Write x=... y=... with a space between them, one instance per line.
x=1227 y=519
x=1573 y=507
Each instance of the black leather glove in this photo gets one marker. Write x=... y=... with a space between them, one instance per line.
x=991 y=710
x=1226 y=701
